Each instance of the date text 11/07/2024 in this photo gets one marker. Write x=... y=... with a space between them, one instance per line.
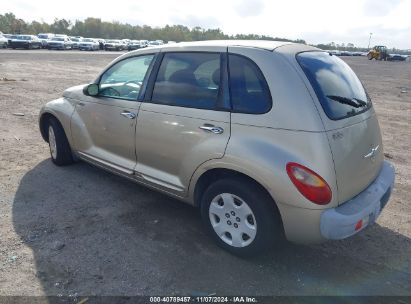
x=202 y=299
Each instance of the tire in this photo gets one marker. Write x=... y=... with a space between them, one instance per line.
x=60 y=150
x=251 y=223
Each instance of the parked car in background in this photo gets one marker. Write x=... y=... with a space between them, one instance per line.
x=396 y=57
x=334 y=52
x=124 y=44
x=9 y=38
x=357 y=53
x=269 y=139
x=134 y=45
x=75 y=42
x=61 y=42
x=89 y=44
x=155 y=43
x=345 y=53
x=4 y=42
x=144 y=43
x=44 y=38
x=113 y=45
x=26 y=42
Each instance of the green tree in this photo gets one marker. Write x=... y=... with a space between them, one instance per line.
x=96 y=28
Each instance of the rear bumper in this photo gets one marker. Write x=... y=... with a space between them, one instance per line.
x=360 y=211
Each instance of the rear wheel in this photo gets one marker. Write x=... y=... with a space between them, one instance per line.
x=60 y=150
x=240 y=217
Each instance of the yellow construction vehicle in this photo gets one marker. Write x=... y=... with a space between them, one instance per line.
x=379 y=52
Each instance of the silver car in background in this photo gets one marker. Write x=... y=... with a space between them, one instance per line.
x=113 y=45
x=269 y=139
x=44 y=38
x=75 y=42
x=59 y=43
x=89 y=44
x=4 y=42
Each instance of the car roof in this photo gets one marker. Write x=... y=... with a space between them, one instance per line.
x=266 y=45
x=262 y=44
x=286 y=48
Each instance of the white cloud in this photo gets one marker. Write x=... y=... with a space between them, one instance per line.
x=247 y=8
x=380 y=8
x=315 y=20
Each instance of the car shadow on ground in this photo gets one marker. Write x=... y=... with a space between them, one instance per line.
x=94 y=233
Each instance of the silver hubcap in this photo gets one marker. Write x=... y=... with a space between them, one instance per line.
x=232 y=220
x=52 y=143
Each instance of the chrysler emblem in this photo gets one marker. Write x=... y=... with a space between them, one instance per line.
x=372 y=152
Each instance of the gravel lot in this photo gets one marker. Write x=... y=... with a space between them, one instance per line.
x=81 y=231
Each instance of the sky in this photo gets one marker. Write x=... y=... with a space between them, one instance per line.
x=315 y=21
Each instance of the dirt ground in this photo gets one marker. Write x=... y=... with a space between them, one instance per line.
x=78 y=230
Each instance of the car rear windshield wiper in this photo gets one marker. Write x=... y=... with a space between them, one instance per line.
x=361 y=102
x=354 y=102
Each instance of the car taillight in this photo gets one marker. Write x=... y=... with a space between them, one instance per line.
x=309 y=183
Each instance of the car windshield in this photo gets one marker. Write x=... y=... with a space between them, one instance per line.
x=111 y=41
x=88 y=40
x=43 y=36
x=24 y=37
x=57 y=39
x=339 y=90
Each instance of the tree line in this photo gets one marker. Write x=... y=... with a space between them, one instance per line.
x=96 y=28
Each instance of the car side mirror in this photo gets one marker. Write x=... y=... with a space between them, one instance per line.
x=91 y=90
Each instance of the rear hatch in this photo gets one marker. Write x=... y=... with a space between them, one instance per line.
x=349 y=119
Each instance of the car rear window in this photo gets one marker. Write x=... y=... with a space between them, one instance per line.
x=339 y=90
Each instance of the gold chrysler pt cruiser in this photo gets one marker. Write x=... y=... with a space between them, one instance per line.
x=269 y=139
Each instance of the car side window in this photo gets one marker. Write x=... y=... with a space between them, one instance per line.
x=188 y=80
x=249 y=90
x=124 y=79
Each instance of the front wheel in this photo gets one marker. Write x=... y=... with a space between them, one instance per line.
x=241 y=217
x=60 y=150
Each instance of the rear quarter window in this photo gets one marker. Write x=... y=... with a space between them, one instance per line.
x=249 y=90
x=337 y=87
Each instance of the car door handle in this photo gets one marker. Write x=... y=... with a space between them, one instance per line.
x=129 y=115
x=212 y=129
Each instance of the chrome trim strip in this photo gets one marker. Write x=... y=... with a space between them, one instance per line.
x=98 y=161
